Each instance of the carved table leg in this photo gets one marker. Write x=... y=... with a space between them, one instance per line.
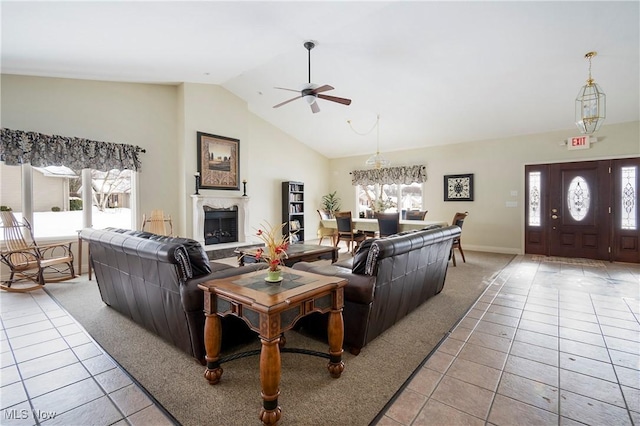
x=270 y=381
x=212 y=344
x=283 y=341
x=336 y=337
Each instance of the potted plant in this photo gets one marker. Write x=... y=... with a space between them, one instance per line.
x=331 y=203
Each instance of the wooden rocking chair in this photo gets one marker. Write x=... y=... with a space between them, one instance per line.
x=157 y=223
x=31 y=265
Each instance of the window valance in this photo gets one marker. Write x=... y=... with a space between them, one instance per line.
x=19 y=147
x=390 y=175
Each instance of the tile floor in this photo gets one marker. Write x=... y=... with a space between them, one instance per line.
x=547 y=344
x=53 y=373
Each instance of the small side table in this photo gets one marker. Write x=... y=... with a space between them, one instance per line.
x=270 y=310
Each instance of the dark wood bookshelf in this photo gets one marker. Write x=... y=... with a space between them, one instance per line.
x=293 y=210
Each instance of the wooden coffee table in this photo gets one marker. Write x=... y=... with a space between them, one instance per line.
x=270 y=310
x=295 y=253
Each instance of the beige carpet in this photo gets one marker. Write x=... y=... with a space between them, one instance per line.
x=309 y=396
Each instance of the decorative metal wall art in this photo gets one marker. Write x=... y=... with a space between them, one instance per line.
x=458 y=187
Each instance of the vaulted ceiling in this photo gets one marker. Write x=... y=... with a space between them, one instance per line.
x=435 y=72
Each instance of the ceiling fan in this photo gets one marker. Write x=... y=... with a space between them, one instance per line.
x=311 y=92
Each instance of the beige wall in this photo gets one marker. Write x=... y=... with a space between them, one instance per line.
x=268 y=156
x=164 y=119
x=498 y=168
x=137 y=114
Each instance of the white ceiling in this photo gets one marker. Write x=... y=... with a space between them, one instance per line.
x=436 y=72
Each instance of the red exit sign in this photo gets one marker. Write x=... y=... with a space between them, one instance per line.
x=579 y=142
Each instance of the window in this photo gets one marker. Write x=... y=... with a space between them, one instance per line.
x=58 y=202
x=388 y=198
x=366 y=199
x=111 y=192
x=52 y=188
x=534 y=198
x=629 y=198
x=578 y=198
x=410 y=197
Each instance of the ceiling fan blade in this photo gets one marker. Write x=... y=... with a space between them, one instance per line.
x=284 y=88
x=286 y=102
x=324 y=88
x=343 y=101
x=315 y=108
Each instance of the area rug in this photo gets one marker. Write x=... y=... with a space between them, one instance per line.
x=309 y=396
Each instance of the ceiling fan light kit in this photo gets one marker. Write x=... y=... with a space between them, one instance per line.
x=311 y=93
x=590 y=104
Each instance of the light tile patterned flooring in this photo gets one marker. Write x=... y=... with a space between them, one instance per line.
x=548 y=343
x=53 y=373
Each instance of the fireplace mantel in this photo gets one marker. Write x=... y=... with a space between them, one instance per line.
x=220 y=202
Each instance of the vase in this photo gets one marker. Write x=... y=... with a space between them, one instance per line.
x=274 y=276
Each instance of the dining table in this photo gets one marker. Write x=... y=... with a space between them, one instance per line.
x=371 y=225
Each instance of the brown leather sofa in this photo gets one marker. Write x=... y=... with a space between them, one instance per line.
x=388 y=278
x=154 y=279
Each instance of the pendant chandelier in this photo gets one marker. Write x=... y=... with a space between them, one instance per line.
x=377 y=160
x=590 y=104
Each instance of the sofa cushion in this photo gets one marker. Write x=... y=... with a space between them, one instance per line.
x=360 y=258
x=197 y=256
x=360 y=289
x=218 y=266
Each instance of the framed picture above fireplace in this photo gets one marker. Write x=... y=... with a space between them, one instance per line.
x=218 y=162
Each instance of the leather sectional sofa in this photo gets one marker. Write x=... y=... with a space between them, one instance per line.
x=154 y=279
x=388 y=278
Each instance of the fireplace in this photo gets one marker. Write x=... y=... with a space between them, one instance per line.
x=220 y=225
x=208 y=207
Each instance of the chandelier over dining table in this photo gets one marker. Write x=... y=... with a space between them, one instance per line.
x=376 y=161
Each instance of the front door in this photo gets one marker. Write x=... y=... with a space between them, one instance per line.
x=583 y=209
x=578 y=210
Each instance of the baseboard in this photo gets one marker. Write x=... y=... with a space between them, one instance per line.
x=490 y=249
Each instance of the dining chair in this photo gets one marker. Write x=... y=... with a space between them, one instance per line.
x=323 y=231
x=458 y=220
x=388 y=223
x=346 y=233
x=416 y=214
x=31 y=265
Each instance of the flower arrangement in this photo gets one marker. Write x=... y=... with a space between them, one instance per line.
x=275 y=250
